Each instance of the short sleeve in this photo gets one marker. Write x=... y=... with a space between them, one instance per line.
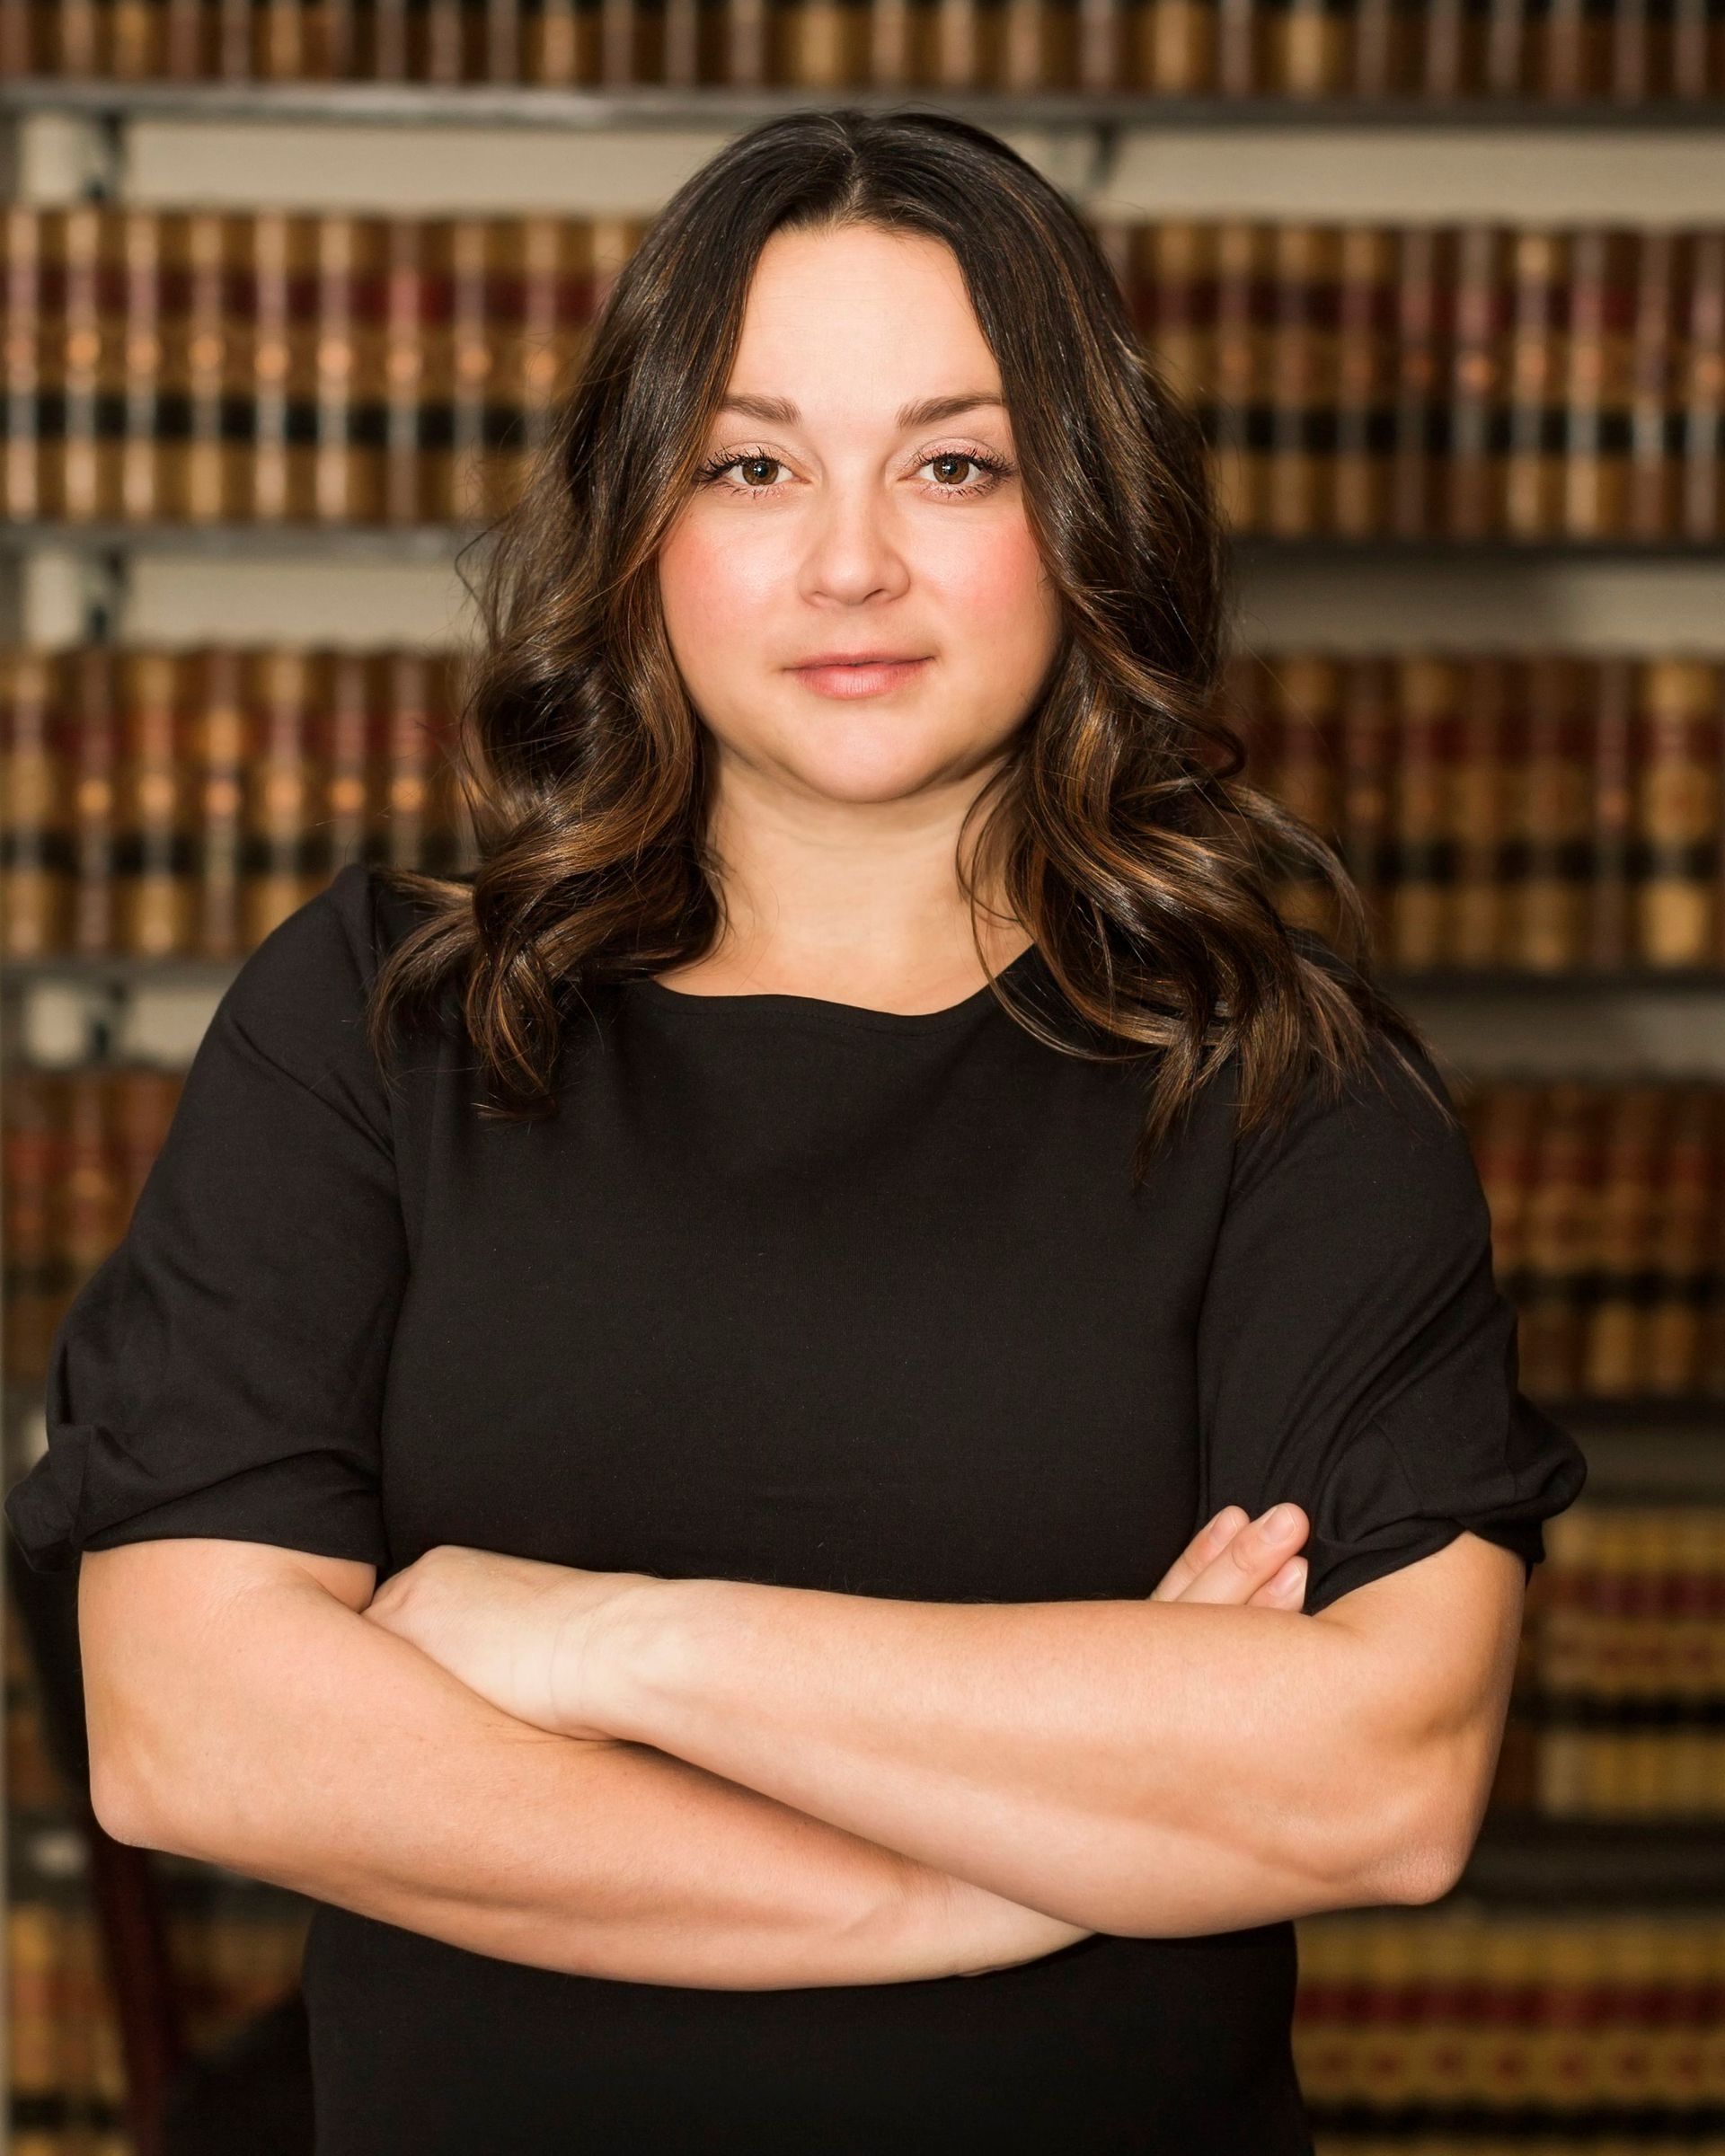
x=1354 y=1352
x=221 y=1372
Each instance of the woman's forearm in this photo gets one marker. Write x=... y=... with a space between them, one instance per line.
x=297 y=1744
x=1143 y=1767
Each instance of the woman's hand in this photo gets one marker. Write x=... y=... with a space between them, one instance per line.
x=531 y=1637
x=513 y=1630
x=1245 y=1562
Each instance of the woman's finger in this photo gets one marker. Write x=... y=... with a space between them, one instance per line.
x=1207 y=1544
x=1287 y=1591
x=1252 y=1559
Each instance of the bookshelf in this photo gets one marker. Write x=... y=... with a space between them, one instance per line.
x=407 y=149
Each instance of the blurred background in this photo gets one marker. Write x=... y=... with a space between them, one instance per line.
x=288 y=291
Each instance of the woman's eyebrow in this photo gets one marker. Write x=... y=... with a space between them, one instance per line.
x=927 y=413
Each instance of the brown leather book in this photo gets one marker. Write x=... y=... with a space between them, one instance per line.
x=1549 y=925
x=1560 y=1233
x=353 y=805
x=94 y=926
x=1363 y=375
x=24 y=353
x=339 y=494
x=1370 y=742
x=1171 y=47
x=278 y=354
x=283 y=794
x=1679 y=810
x=1652 y=504
x=1472 y=473
x=35 y=804
x=1423 y=813
x=1701 y=390
x=1475 y=824
x=413 y=364
x=152 y=808
x=143 y=448
x=222 y=746
x=1533 y=472
x=1424 y=267
x=1302 y=389
x=472 y=496
x=1612 y=689
x=1617 y=1346
x=1244 y=371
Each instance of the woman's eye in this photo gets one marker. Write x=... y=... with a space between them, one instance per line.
x=720 y=465
x=948 y=466
x=949 y=480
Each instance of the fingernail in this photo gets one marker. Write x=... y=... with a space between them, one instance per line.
x=1230 y=1518
x=1278 y=1519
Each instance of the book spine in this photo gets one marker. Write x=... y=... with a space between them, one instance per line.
x=332 y=489
x=22 y=319
x=1368 y=744
x=279 y=805
x=1703 y=389
x=95 y=924
x=1362 y=349
x=222 y=746
x=142 y=446
x=1473 y=468
x=33 y=805
x=353 y=809
x=275 y=376
x=1533 y=468
x=1476 y=813
x=400 y=373
x=1615 y=692
x=1679 y=813
x=156 y=897
x=1298 y=396
x=1413 y=475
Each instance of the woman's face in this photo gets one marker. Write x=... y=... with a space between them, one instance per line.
x=844 y=517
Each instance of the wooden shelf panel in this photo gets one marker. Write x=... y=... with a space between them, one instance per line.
x=660 y=105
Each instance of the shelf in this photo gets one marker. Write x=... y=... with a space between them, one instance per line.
x=429 y=543
x=440 y=542
x=122 y=970
x=1523 y=1859
x=1266 y=550
x=1673 y=1416
x=119 y=972
x=659 y=105
x=1493 y=981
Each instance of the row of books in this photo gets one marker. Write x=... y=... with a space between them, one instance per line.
x=1629 y=1606
x=1609 y=1230
x=1619 y=1706
x=1545 y=813
x=1560 y=2019
x=1487 y=2013
x=1564 y=50
x=1614 y=1256
x=1455 y=381
x=1548 y=811
x=62 y=2029
x=159 y=803
x=1608 y=1770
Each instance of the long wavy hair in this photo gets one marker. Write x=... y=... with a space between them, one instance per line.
x=1118 y=830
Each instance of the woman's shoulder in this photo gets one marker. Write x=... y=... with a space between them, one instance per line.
x=1386 y=1112
x=301 y=995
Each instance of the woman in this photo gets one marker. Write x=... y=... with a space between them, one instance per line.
x=647 y=1441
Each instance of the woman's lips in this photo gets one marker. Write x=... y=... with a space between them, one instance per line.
x=870 y=678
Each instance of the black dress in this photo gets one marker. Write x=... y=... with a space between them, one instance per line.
x=797 y=1292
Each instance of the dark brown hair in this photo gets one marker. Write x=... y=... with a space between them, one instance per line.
x=1120 y=833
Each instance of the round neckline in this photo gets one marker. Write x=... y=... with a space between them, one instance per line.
x=823 y=1010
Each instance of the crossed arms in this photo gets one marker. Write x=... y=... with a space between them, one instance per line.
x=797 y=1788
